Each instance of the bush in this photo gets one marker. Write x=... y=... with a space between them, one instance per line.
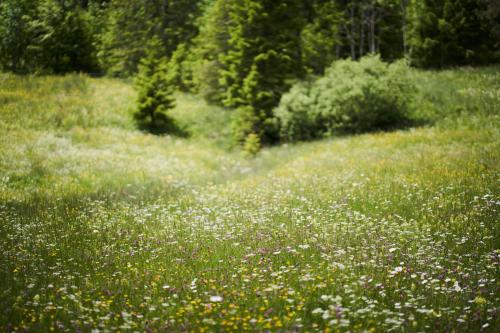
x=252 y=145
x=352 y=97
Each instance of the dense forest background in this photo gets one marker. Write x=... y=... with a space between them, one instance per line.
x=242 y=54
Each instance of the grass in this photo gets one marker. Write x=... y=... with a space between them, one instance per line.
x=104 y=228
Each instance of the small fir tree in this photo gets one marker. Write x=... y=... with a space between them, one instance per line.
x=155 y=95
x=252 y=145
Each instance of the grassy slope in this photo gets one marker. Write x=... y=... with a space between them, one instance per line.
x=106 y=227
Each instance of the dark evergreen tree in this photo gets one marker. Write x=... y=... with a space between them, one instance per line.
x=65 y=37
x=320 y=38
x=17 y=35
x=489 y=13
x=131 y=24
x=155 y=95
x=210 y=48
x=263 y=52
x=450 y=32
x=46 y=36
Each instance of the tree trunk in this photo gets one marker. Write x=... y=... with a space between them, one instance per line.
x=352 y=33
x=362 y=33
x=404 y=13
x=372 y=29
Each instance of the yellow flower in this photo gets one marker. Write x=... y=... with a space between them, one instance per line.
x=480 y=300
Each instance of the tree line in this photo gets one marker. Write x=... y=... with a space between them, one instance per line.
x=243 y=54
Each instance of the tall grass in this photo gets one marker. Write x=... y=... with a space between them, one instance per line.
x=450 y=96
x=105 y=228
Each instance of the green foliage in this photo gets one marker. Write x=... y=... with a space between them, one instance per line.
x=258 y=49
x=17 y=33
x=65 y=38
x=295 y=113
x=252 y=145
x=180 y=69
x=452 y=32
x=489 y=13
x=352 y=97
x=210 y=47
x=132 y=24
x=128 y=29
x=370 y=26
x=213 y=45
x=46 y=36
x=208 y=84
x=155 y=96
x=320 y=39
x=244 y=123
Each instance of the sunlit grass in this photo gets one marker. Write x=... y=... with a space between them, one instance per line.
x=107 y=228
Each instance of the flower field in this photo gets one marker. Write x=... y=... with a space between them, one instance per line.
x=107 y=229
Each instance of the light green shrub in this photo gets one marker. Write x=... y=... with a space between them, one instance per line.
x=252 y=145
x=352 y=97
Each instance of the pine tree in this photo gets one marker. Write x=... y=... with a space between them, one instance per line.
x=320 y=38
x=17 y=35
x=261 y=53
x=209 y=50
x=46 y=36
x=132 y=23
x=489 y=14
x=449 y=32
x=155 y=95
x=65 y=37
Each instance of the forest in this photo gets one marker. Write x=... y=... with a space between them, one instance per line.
x=247 y=54
x=249 y=166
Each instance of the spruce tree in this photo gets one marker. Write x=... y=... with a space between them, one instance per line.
x=65 y=37
x=17 y=35
x=262 y=53
x=450 y=33
x=320 y=38
x=131 y=24
x=210 y=48
x=155 y=95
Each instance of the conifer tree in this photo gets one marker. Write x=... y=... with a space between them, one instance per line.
x=450 y=32
x=320 y=38
x=209 y=50
x=16 y=34
x=155 y=95
x=260 y=53
x=131 y=24
x=65 y=37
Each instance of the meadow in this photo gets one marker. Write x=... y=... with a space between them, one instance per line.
x=104 y=228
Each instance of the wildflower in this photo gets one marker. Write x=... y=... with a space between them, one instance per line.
x=480 y=300
x=209 y=321
x=216 y=299
x=317 y=310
